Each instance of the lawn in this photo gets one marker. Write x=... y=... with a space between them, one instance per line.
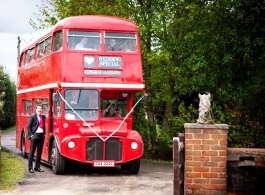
x=12 y=169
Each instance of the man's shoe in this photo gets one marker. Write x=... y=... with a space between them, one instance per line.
x=31 y=171
x=38 y=169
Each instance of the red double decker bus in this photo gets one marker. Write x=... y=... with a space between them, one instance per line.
x=97 y=61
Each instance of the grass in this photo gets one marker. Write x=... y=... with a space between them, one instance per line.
x=12 y=169
x=9 y=129
x=156 y=161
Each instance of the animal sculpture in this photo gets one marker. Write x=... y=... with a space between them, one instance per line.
x=204 y=109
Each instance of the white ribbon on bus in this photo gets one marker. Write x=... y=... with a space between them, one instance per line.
x=145 y=95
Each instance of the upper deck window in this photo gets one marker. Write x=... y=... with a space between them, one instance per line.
x=120 y=42
x=58 y=41
x=30 y=55
x=40 y=49
x=22 y=62
x=80 y=40
x=48 y=45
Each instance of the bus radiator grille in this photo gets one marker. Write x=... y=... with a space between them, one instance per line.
x=95 y=146
x=94 y=149
x=113 y=149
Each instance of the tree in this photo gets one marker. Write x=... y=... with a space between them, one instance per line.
x=8 y=88
x=192 y=47
x=2 y=89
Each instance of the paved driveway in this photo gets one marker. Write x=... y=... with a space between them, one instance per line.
x=152 y=179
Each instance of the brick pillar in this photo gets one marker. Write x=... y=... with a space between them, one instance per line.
x=205 y=159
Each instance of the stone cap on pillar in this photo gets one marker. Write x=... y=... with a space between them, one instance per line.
x=205 y=126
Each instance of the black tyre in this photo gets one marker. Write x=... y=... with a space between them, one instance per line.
x=23 y=147
x=57 y=160
x=132 y=167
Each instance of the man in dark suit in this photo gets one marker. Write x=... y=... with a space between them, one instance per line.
x=36 y=131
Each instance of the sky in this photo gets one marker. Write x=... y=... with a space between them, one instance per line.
x=14 y=21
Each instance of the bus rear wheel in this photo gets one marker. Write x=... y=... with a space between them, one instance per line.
x=132 y=167
x=23 y=147
x=57 y=160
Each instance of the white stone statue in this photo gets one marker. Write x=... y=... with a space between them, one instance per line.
x=204 y=109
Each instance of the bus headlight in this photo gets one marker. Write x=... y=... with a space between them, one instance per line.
x=134 y=145
x=71 y=144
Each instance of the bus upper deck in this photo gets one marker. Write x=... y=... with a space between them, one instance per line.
x=84 y=49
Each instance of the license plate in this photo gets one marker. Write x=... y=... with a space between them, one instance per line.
x=103 y=163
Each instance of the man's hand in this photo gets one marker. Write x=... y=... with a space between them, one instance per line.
x=73 y=102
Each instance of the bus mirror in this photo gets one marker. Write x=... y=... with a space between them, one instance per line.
x=145 y=97
x=55 y=97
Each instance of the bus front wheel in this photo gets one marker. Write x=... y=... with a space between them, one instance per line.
x=132 y=167
x=57 y=160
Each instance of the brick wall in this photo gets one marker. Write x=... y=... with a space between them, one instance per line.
x=258 y=157
x=205 y=159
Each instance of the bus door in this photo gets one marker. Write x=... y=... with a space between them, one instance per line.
x=45 y=111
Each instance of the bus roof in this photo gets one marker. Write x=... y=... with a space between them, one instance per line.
x=89 y=22
x=97 y=22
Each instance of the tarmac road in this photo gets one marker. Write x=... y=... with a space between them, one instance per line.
x=152 y=179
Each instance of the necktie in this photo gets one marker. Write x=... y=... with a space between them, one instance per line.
x=41 y=125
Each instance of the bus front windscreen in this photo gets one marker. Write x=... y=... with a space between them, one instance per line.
x=81 y=104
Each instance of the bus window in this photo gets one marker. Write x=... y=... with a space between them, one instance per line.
x=57 y=108
x=36 y=103
x=120 y=42
x=40 y=49
x=114 y=108
x=22 y=62
x=30 y=55
x=58 y=41
x=27 y=57
x=27 y=107
x=45 y=106
x=83 y=40
x=83 y=101
x=48 y=46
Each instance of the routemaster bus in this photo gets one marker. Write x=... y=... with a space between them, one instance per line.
x=85 y=71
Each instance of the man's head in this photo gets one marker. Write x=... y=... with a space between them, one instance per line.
x=112 y=42
x=112 y=108
x=118 y=112
x=39 y=109
x=84 y=40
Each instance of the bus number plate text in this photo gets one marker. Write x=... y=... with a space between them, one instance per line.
x=103 y=163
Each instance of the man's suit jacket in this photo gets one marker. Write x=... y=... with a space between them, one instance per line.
x=33 y=124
